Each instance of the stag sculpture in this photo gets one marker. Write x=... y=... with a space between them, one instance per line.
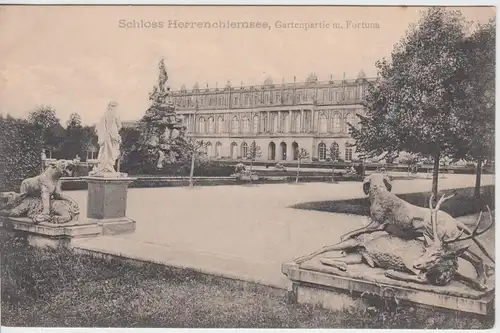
x=400 y=218
x=430 y=261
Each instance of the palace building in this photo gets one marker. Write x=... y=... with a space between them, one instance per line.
x=281 y=118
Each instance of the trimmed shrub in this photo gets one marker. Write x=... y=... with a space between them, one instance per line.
x=20 y=151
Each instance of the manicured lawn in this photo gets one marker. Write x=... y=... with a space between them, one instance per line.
x=463 y=203
x=61 y=288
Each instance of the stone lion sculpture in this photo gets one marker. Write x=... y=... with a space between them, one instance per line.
x=40 y=197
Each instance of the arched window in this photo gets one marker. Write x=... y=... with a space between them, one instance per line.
x=211 y=125
x=348 y=152
x=271 y=151
x=264 y=124
x=335 y=151
x=246 y=125
x=336 y=123
x=218 y=150
x=323 y=124
x=349 y=119
x=201 y=125
x=275 y=123
x=285 y=128
x=255 y=125
x=297 y=124
x=295 y=148
x=322 y=151
x=220 y=125
x=244 y=150
x=234 y=151
x=283 y=151
x=209 y=149
x=235 y=125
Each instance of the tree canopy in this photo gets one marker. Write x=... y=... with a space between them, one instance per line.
x=425 y=92
x=52 y=133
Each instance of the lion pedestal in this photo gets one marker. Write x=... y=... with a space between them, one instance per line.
x=107 y=202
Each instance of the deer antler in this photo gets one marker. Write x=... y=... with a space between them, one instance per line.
x=474 y=232
x=434 y=213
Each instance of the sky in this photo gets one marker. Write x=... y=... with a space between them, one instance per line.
x=78 y=58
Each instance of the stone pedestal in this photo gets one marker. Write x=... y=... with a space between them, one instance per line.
x=314 y=283
x=107 y=203
x=48 y=234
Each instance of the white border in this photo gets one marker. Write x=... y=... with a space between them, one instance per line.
x=253 y=3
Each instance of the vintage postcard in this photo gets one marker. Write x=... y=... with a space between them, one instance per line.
x=247 y=166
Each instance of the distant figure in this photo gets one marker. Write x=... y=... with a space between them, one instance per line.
x=108 y=132
x=361 y=169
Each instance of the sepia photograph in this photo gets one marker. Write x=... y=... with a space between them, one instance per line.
x=247 y=166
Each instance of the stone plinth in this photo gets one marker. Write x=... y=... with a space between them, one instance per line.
x=48 y=234
x=107 y=202
x=314 y=283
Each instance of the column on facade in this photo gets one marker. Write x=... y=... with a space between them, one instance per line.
x=329 y=122
x=290 y=117
x=313 y=118
x=301 y=120
x=280 y=128
x=268 y=129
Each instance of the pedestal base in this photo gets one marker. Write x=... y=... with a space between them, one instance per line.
x=47 y=234
x=107 y=197
x=317 y=284
x=115 y=226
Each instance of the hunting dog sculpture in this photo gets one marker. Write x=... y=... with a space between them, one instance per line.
x=40 y=197
x=430 y=261
x=404 y=220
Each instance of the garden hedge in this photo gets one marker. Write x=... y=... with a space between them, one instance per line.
x=20 y=151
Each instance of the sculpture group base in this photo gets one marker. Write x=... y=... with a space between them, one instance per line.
x=115 y=226
x=47 y=234
x=317 y=284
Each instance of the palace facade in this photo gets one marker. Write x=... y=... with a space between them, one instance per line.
x=281 y=118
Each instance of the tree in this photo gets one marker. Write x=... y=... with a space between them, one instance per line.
x=478 y=106
x=52 y=133
x=302 y=154
x=411 y=160
x=195 y=150
x=75 y=138
x=129 y=147
x=334 y=153
x=254 y=151
x=412 y=106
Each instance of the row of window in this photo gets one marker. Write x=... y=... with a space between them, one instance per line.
x=261 y=124
x=334 y=152
x=268 y=98
x=323 y=153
